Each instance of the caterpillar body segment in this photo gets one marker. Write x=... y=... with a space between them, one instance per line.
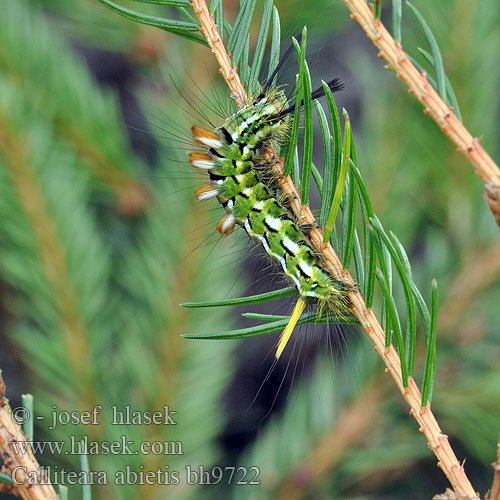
x=242 y=182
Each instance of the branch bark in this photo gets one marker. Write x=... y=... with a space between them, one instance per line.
x=428 y=425
x=20 y=465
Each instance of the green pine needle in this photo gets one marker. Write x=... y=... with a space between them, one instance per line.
x=396 y=20
x=339 y=189
x=430 y=357
x=273 y=326
x=438 y=59
x=182 y=28
x=27 y=402
x=5 y=478
x=84 y=466
x=252 y=299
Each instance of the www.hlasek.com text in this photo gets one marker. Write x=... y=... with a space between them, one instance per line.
x=84 y=446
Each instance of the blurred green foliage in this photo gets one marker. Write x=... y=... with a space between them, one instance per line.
x=97 y=246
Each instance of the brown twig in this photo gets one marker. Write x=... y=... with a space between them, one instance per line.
x=450 y=495
x=467 y=145
x=227 y=70
x=428 y=425
x=22 y=466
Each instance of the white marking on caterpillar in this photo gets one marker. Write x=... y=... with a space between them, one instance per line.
x=306 y=268
x=292 y=277
x=273 y=223
x=211 y=143
x=207 y=195
x=248 y=228
x=290 y=245
x=282 y=262
x=203 y=164
x=228 y=223
x=263 y=240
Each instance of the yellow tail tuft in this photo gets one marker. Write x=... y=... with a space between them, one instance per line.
x=285 y=336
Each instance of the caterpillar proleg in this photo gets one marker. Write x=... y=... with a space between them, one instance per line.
x=241 y=180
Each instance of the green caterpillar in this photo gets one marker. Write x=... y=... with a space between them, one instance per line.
x=241 y=181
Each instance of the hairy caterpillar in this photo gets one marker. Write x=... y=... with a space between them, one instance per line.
x=242 y=182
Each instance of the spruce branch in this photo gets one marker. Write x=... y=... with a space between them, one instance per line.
x=24 y=461
x=131 y=196
x=79 y=110
x=467 y=145
x=428 y=424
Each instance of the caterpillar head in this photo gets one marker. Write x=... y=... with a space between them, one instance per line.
x=273 y=108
